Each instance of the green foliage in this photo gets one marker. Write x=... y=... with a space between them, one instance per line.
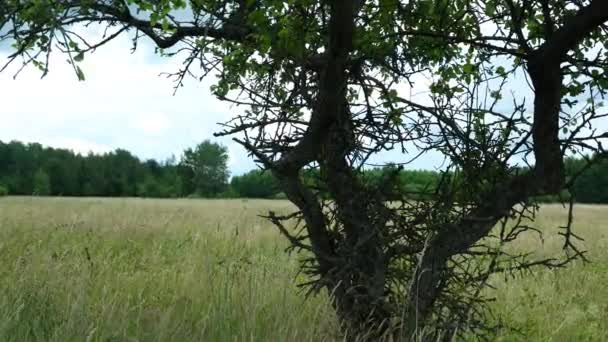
x=27 y=169
x=204 y=169
x=280 y=196
x=564 y=196
x=154 y=188
x=42 y=183
x=255 y=184
x=228 y=193
x=592 y=184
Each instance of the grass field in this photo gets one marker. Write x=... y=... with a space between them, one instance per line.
x=211 y=270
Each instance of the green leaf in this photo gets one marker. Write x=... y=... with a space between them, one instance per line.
x=490 y=9
x=501 y=71
x=79 y=57
x=154 y=17
x=79 y=73
x=468 y=68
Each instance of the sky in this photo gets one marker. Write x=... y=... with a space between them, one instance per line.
x=126 y=103
x=123 y=103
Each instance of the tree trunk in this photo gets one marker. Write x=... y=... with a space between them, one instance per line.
x=361 y=277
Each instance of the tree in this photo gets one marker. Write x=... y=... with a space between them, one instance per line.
x=62 y=167
x=3 y=190
x=149 y=187
x=255 y=184
x=205 y=168
x=90 y=176
x=117 y=173
x=592 y=185
x=19 y=167
x=121 y=171
x=42 y=183
x=327 y=84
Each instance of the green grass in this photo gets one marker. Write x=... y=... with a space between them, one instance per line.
x=211 y=270
x=569 y=304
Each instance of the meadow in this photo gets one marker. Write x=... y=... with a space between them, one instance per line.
x=212 y=270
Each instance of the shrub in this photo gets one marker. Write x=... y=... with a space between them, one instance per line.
x=280 y=195
x=228 y=193
x=255 y=184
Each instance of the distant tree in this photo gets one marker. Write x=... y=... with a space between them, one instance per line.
x=122 y=171
x=158 y=180
x=153 y=168
x=20 y=168
x=592 y=185
x=171 y=180
x=255 y=184
x=91 y=178
x=205 y=169
x=42 y=183
x=62 y=167
x=150 y=187
x=117 y=173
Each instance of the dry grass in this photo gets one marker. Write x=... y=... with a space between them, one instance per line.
x=198 y=270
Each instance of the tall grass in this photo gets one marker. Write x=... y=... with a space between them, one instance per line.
x=138 y=270
x=569 y=304
x=211 y=270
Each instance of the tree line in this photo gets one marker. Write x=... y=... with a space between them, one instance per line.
x=33 y=169
x=202 y=171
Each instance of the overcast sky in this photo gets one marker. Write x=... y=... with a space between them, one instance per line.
x=123 y=103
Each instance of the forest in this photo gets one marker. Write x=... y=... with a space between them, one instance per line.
x=33 y=169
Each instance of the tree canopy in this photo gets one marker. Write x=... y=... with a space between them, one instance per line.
x=330 y=84
x=204 y=169
x=26 y=168
x=31 y=169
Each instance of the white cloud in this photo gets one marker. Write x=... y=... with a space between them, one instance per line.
x=123 y=103
x=153 y=124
